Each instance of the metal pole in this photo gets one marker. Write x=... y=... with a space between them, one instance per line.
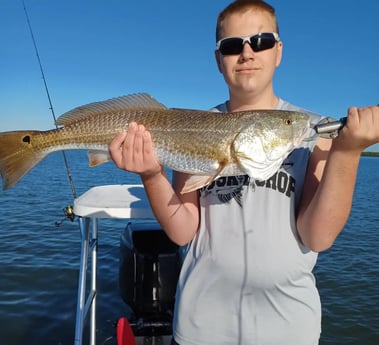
x=93 y=281
x=80 y=311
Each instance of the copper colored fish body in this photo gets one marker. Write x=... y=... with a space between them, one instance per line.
x=204 y=144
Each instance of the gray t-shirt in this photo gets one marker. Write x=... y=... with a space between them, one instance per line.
x=247 y=279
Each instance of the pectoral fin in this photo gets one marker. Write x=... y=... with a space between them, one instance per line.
x=198 y=181
x=97 y=157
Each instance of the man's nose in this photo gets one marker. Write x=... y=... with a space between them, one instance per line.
x=247 y=51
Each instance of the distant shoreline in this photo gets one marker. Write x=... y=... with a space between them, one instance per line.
x=370 y=154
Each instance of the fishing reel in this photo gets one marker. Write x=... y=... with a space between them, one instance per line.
x=329 y=128
x=69 y=215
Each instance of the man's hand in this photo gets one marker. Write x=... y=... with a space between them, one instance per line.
x=361 y=130
x=133 y=150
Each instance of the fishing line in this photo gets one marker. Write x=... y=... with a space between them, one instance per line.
x=68 y=214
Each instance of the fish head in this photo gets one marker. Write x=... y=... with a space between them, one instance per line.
x=261 y=146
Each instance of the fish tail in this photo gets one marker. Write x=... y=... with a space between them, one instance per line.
x=18 y=155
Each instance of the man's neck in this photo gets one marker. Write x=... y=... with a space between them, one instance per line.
x=248 y=102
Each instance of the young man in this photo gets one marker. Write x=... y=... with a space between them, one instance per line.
x=247 y=277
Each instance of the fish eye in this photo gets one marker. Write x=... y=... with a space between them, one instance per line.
x=287 y=122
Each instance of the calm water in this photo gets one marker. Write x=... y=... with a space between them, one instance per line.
x=39 y=261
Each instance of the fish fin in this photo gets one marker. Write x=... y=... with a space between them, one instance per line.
x=97 y=157
x=18 y=155
x=136 y=101
x=196 y=182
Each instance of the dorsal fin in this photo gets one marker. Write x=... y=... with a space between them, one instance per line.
x=138 y=100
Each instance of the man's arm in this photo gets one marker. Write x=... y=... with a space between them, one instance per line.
x=330 y=180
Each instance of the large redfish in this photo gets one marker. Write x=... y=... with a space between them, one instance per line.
x=204 y=144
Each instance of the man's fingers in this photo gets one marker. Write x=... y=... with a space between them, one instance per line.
x=115 y=147
x=117 y=141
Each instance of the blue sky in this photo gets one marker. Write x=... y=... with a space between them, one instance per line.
x=92 y=50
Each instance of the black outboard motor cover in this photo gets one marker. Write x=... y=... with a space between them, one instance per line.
x=149 y=269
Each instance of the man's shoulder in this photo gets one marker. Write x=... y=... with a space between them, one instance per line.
x=221 y=108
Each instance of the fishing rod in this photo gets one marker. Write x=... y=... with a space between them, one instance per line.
x=68 y=210
x=329 y=128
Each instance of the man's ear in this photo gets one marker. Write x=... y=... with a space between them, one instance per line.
x=218 y=60
x=279 y=53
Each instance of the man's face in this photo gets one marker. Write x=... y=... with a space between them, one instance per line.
x=249 y=71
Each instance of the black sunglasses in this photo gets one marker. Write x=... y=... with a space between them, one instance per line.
x=258 y=42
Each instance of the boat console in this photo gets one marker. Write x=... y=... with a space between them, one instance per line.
x=148 y=271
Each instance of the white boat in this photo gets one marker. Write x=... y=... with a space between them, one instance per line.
x=149 y=266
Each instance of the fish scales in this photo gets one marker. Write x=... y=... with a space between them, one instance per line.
x=186 y=132
x=201 y=143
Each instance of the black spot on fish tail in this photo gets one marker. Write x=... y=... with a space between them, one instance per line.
x=26 y=139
